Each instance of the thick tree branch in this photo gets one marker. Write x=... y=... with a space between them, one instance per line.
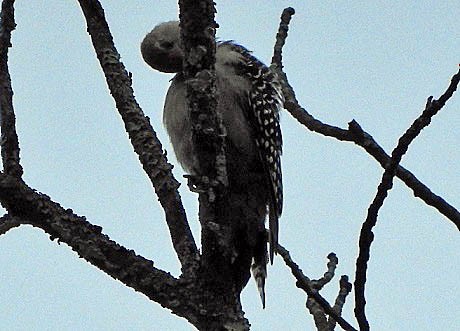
x=198 y=39
x=304 y=283
x=354 y=133
x=198 y=30
x=7 y=222
x=367 y=236
x=30 y=207
x=221 y=305
x=9 y=138
x=141 y=134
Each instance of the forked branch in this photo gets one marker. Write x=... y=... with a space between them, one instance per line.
x=141 y=133
x=9 y=141
x=367 y=236
x=354 y=133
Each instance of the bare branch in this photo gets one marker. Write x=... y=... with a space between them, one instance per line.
x=142 y=136
x=319 y=317
x=345 y=289
x=315 y=309
x=281 y=36
x=90 y=243
x=304 y=283
x=420 y=190
x=198 y=28
x=367 y=236
x=7 y=222
x=363 y=139
x=322 y=323
x=9 y=139
x=328 y=275
x=354 y=133
x=208 y=135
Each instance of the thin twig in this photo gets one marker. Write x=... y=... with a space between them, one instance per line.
x=367 y=236
x=354 y=133
x=345 y=289
x=328 y=275
x=315 y=309
x=142 y=136
x=303 y=282
x=9 y=138
x=281 y=36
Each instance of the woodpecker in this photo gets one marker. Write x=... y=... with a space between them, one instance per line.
x=249 y=101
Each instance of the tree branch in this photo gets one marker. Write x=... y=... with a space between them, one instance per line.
x=315 y=309
x=7 y=222
x=221 y=303
x=142 y=136
x=30 y=207
x=345 y=289
x=208 y=137
x=281 y=36
x=354 y=133
x=198 y=30
x=9 y=138
x=367 y=236
x=420 y=190
x=328 y=275
x=304 y=283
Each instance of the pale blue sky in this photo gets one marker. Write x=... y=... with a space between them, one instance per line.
x=375 y=62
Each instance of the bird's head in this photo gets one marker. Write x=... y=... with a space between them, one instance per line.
x=161 y=48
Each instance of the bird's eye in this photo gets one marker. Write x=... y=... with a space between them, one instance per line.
x=167 y=45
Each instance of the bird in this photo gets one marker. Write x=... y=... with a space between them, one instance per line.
x=249 y=101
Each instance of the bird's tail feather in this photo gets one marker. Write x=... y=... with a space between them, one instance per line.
x=259 y=263
x=259 y=272
x=273 y=232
